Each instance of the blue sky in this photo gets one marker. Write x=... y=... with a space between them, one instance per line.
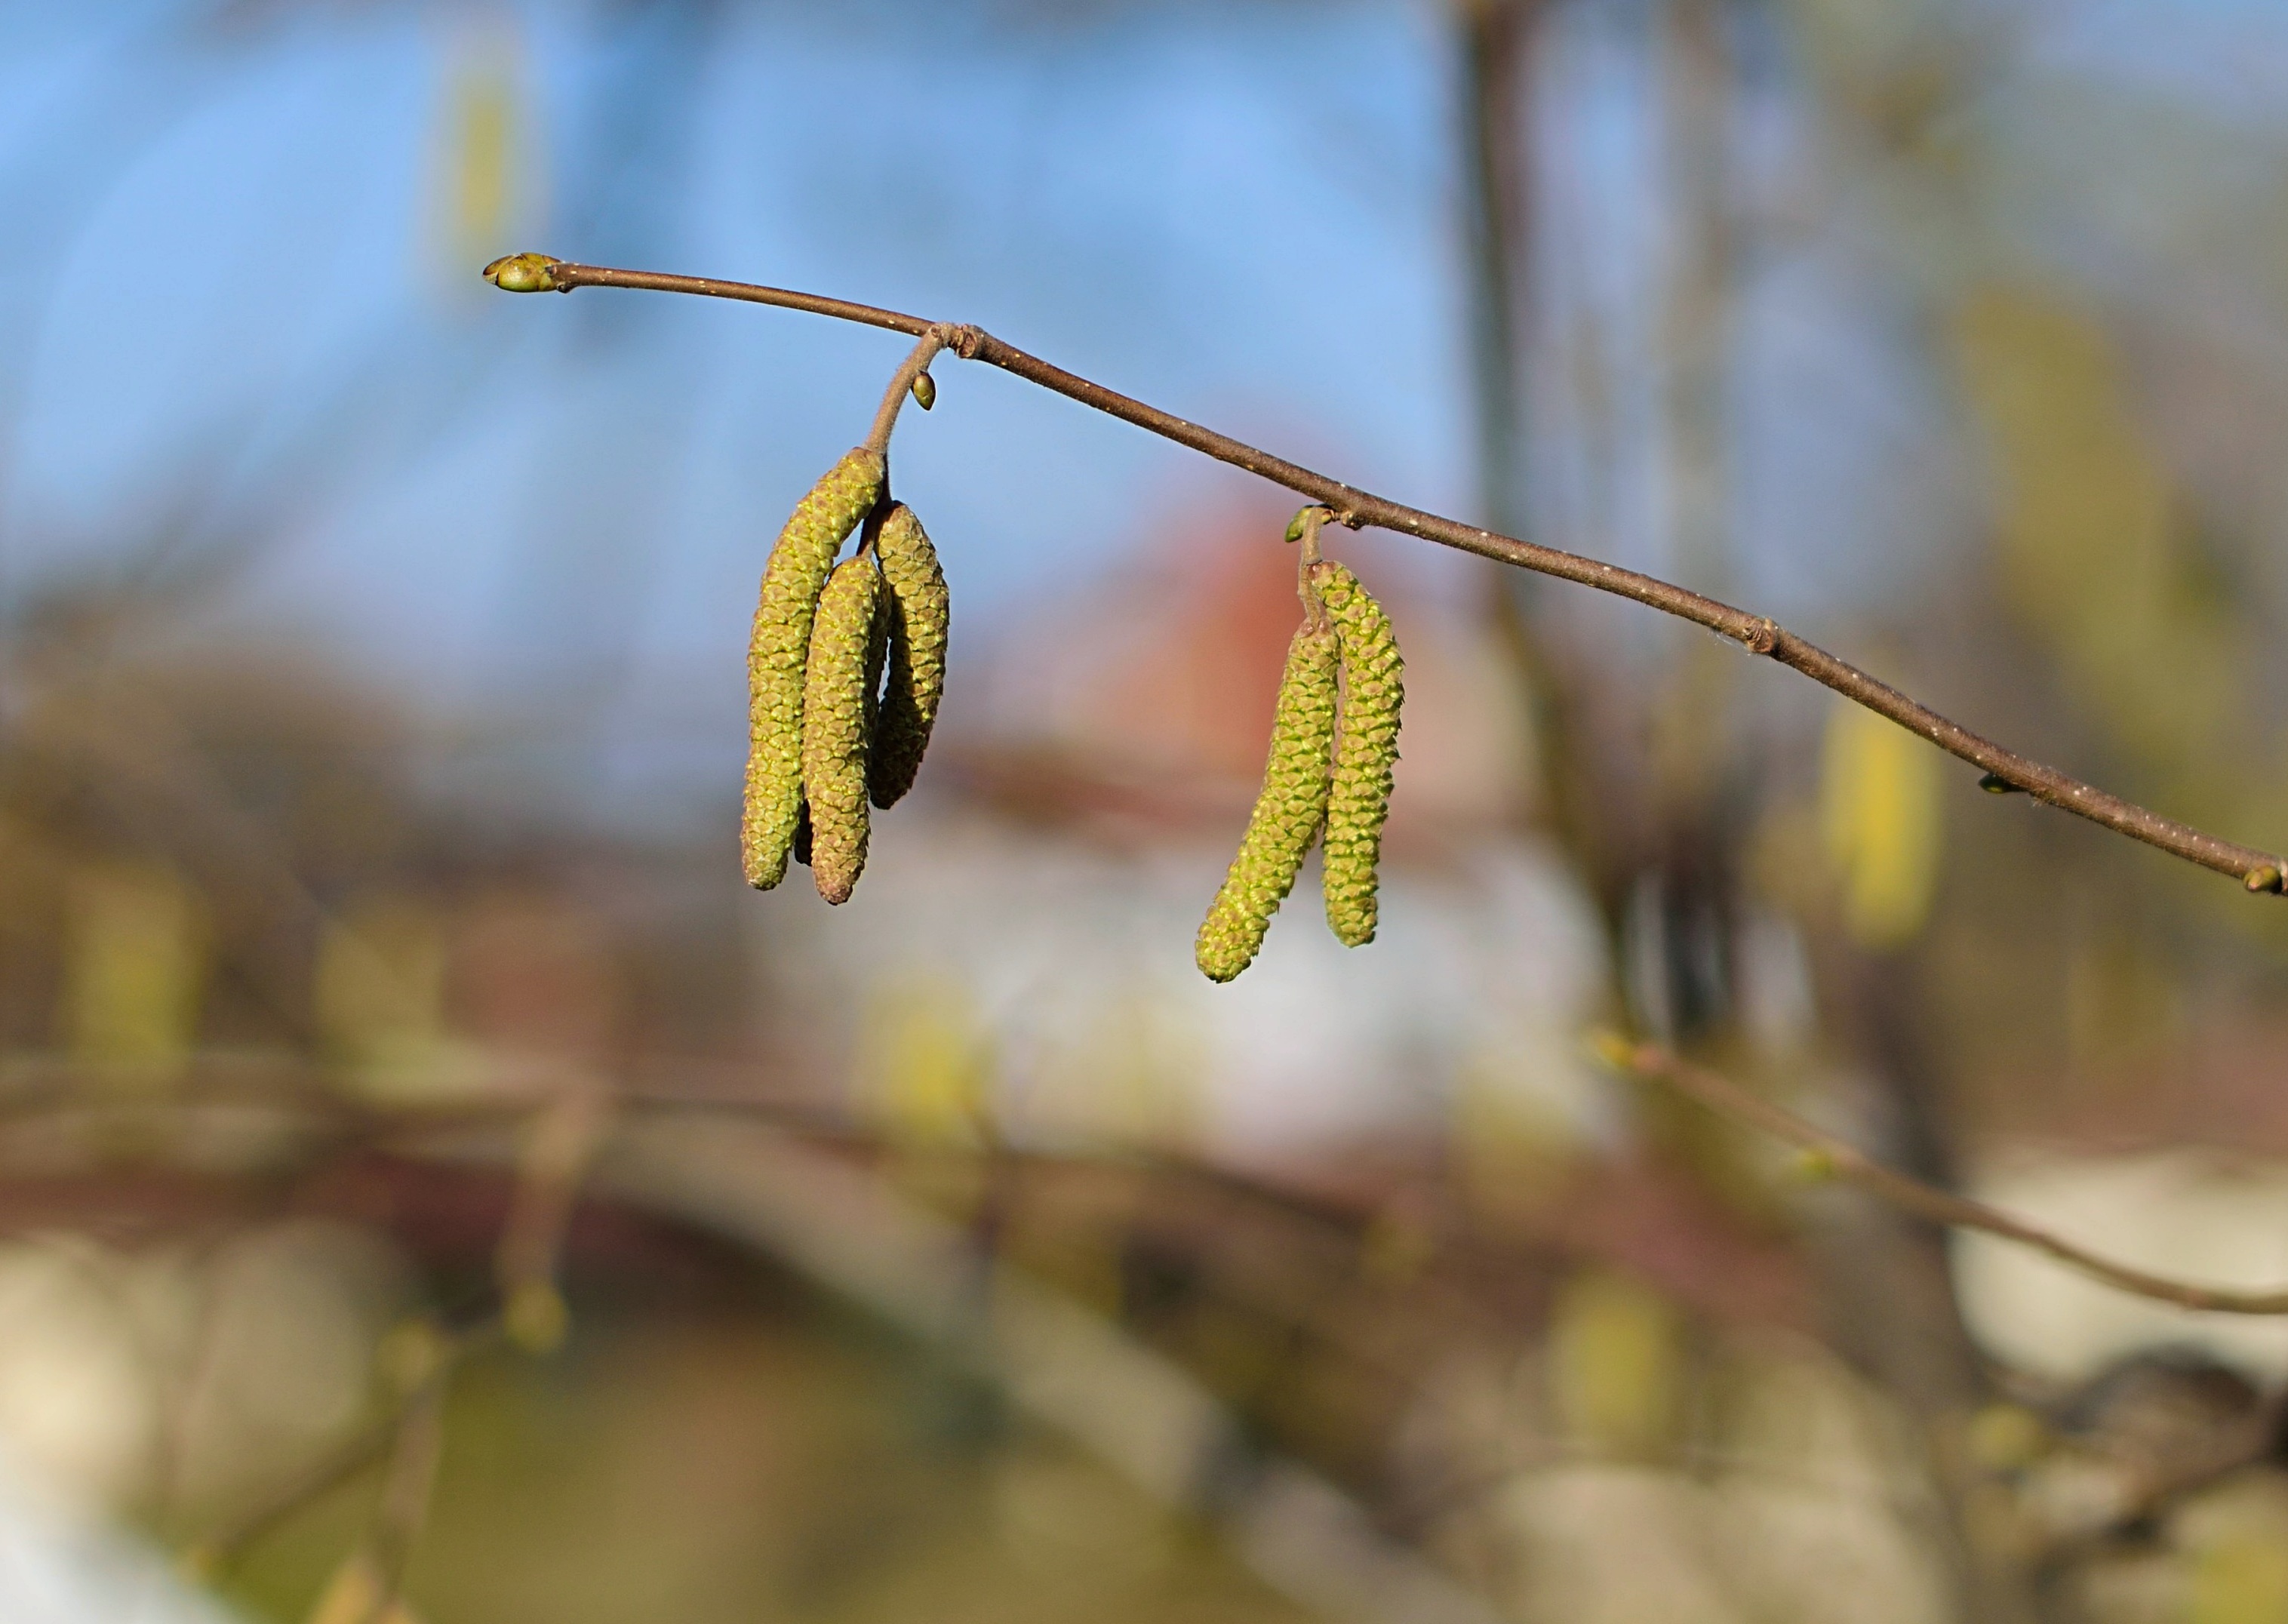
x=1163 y=211
x=231 y=306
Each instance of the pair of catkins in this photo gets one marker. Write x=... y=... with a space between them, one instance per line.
x=827 y=732
x=830 y=734
x=1334 y=738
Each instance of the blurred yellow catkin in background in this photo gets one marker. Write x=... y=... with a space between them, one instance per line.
x=477 y=206
x=1614 y=1363
x=134 y=972
x=2097 y=553
x=379 y=986
x=1878 y=816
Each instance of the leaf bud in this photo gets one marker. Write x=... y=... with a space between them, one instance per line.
x=523 y=273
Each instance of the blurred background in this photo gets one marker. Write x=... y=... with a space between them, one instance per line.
x=433 y=1188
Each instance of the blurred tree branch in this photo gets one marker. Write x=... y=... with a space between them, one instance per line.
x=1829 y=1156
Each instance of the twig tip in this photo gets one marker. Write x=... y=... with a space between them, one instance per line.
x=524 y=273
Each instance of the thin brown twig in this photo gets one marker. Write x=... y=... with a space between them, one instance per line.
x=217 y=1551
x=813 y=1120
x=1729 y=1099
x=2258 y=870
x=561 y=1139
x=405 y=1497
x=223 y=1547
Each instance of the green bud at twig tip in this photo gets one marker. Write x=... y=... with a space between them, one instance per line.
x=412 y=1353
x=1304 y=527
x=2265 y=877
x=1815 y=1165
x=925 y=391
x=535 y=1316
x=1613 y=1050
x=523 y=273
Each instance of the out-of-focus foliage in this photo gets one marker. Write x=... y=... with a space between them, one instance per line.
x=1878 y=814
x=2094 y=550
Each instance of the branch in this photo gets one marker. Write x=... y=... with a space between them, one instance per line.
x=383 y=1439
x=561 y=1139
x=2004 y=769
x=206 y=1558
x=1729 y=1100
x=405 y=1496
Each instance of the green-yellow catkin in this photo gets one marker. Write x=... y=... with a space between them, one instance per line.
x=921 y=614
x=1366 y=744
x=780 y=649
x=837 y=715
x=1287 y=813
x=878 y=650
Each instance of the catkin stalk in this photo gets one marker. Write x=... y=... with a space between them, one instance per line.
x=1287 y=813
x=837 y=715
x=779 y=650
x=1358 y=803
x=919 y=615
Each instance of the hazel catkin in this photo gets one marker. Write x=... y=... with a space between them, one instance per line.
x=779 y=650
x=1288 y=812
x=837 y=716
x=1358 y=803
x=918 y=615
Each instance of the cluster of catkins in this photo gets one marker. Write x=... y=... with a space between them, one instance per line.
x=1333 y=739
x=847 y=663
x=831 y=728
